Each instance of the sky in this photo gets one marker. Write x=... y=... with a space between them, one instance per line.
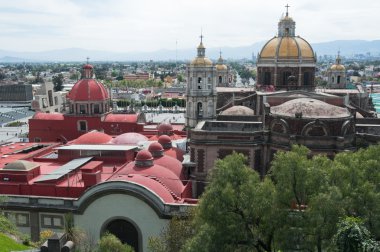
x=149 y=25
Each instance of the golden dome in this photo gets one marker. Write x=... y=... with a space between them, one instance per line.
x=337 y=67
x=287 y=47
x=201 y=61
x=221 y=67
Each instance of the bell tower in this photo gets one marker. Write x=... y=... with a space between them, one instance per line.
x=201 y=88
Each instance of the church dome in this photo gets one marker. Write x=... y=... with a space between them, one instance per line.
x=221 y=67
x=155 y=147
x=93 y=137
x=287 y=48
x=309 y=108
x=338 y=67
x=201 y=61
x=238 y=111
x=87 y=88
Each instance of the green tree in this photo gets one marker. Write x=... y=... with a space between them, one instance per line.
x=353 y=236
x=302 y=186
x=110 y=243
x=58 y=82
x=235 y=211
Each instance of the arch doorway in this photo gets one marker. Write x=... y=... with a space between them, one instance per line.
x=125 y=231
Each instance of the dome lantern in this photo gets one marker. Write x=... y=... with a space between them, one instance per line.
x=286 y=26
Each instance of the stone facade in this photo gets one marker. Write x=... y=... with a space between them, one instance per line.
x=201 y=89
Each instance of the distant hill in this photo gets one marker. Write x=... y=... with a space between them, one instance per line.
x=347 y=48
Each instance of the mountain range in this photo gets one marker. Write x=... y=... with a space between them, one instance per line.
x=346 y=47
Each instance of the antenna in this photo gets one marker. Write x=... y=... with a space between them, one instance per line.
x=87 y=59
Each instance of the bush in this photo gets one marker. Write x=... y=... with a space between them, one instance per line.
x=110 y=243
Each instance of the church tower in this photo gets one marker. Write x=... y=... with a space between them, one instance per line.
x=337 y=74
x=201 y=88
x=222 y=72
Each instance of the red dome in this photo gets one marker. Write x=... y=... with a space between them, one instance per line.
x=88 y=90
x=130 y=138
x=171 y=163
x=93 y=137
x=154 y=147
x=144 y=155
x=88 y=66
x=164 y=140
x=48 y=116
x=165 y=127
x=159 y=173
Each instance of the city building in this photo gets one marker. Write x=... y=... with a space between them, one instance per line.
x=47 y=100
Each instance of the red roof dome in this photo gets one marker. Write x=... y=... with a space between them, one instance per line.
x=154 y=147
x=164 y=140
x=88 y=90
x=157 y=172
x=130 y=138
x=88 y=66
x=144 y=155
x=48 y=116
x=171 y=163
x=165 y=127
x=93 y=137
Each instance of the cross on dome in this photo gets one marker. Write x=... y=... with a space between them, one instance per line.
x=287 y=9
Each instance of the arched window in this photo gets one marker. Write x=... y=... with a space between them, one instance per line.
x=199 y=110
x=220 y=79
x=338 y=79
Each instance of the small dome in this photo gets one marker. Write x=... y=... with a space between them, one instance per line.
x=287 y=48
x=144 y=155
x=238 y=111
x=48 y=116
x=20 y=165
x=93 y=137
x=221 y=67
x=155 y=147
x=309 y=108
x=130 y=138
x=338 y=67
x=88 y=66
x=201 y=61
x=164 y=127
x=88 y=90
x=165 y=141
